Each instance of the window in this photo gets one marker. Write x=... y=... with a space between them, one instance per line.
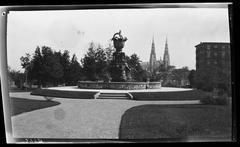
x=223 y=54
x=208 y=62
x=208 y=54
x=223 y=47
x=215 y=46
x=208 y=47
x=215 y=62
x=215 y=53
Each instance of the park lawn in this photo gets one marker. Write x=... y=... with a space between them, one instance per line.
x=21 y=89
x=176 y=122
x=21 y=105
x=64 y=94
x=171 y=95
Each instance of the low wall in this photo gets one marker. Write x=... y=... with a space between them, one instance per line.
x=119 y=85
x=154 y=85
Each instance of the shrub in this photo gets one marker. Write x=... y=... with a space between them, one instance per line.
x=207 y=100
x=174 y=95
x=220 y=100
x=170 y=85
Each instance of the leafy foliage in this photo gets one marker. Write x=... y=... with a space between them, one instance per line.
x=95 y=63
x=75 y=71
x=171 y=76
x=220 y=100
x=191 y=78
x=16 y=76
x=213 y=77
x=137 y=73
x=49 y=67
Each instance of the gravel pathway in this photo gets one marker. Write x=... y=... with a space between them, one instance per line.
x=76 y=118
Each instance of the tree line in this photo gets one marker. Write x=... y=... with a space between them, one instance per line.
x=47 y=67
x=96 y=64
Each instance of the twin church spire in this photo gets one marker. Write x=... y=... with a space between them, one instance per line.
x=166 y=58
x=153 y=63
x=153 y=59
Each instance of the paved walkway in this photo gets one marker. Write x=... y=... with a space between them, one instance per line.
x=76 y=118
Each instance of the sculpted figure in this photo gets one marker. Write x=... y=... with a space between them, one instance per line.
x=119 y=66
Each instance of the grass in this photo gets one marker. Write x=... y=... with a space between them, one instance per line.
x=176 y=122
x=21 y=90
x=173 y=95
x=64 y=94
x=20 y=105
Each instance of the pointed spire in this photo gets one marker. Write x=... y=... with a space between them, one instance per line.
x=166 y=58
x=152 y=61
x=153 y=46
x=153 y=39
x=166 y=45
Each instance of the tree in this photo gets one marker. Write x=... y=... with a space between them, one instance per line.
x=95 y=63
x=51 y=66
x=36 y=71
x=16 y=76
x=180 y=76
x=109 y=53
x=136 y=71
x=212 y=77
x=25 y=63
x=163 y=74
x=45 y=66
x=191 y=78
x=64 y=59
x=74 y=71
x=88 y=63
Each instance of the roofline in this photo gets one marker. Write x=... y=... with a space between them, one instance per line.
x=212 y=43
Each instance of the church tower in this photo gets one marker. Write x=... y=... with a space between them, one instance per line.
x=153 y=60
x=166 y=58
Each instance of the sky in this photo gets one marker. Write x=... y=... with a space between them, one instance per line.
x=73 y=30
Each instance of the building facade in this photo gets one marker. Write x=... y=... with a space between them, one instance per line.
x=213 y=66
x=215 y=54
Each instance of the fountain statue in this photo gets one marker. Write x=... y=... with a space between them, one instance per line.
x=120 y=77
x=119 y=70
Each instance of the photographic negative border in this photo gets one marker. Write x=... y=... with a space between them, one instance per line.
x=3 y=52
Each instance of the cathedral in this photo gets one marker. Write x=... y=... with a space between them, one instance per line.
x=154 y=63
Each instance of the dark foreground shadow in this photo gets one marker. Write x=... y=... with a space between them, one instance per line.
x=176 y=122
x=20 y=105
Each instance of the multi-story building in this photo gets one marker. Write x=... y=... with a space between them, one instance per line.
x=216 y=54
x=213 y=66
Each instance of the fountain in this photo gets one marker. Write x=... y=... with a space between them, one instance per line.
x=119 y=68
x=119 y=72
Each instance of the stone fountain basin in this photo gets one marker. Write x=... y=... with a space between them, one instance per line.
x=118 y=85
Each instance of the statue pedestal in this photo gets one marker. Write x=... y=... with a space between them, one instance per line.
x=118 y=67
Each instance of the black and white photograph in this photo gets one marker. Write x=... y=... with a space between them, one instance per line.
x=129 y=74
